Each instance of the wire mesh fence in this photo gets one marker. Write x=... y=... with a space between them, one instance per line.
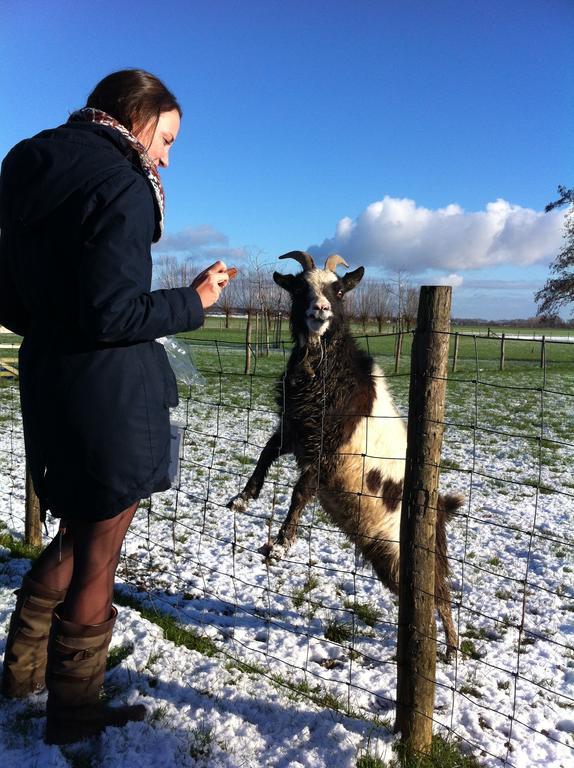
x=315 y=618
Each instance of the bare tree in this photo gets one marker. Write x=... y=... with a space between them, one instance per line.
x=171 y=272
x=405 y=297
x=382 y=304
x=228 y=301
x=277 y=309
x=397 y=292
x=246 y=302
x=364 y=303
x=410 y=304
x=251 y=297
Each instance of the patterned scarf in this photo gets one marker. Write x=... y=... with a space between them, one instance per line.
x=91 y=115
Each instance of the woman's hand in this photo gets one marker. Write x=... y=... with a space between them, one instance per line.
x=210 y=283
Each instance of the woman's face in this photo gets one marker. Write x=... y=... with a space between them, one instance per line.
x=159 y=143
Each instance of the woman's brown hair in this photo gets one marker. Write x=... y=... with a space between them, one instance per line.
x=134 y=97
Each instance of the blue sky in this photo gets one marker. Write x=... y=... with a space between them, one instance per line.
x=411 y=135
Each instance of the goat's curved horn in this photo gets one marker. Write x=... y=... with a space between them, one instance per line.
x=333 y=260
x=304 y=259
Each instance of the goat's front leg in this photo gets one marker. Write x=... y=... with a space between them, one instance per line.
x=276 y=446
x=304 y=490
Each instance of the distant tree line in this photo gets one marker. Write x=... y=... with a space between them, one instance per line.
x=550 y=320
x=253 y=293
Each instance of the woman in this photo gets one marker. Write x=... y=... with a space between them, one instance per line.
x=80 y=206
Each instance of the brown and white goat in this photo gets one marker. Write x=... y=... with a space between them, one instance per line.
x=339 y=420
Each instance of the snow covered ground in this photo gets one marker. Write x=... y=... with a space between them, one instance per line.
x=305 y=672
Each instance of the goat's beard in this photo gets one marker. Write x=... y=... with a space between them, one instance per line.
x=317 y=327
x=318 y=322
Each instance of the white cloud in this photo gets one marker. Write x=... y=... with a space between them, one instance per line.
x=395 y=233
x=201 y=245
x=455 y=280
x=190 y=239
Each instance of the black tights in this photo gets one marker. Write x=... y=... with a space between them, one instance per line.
x=83 y=561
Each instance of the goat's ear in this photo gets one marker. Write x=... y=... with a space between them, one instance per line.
x=351 y=279
x=285 y=281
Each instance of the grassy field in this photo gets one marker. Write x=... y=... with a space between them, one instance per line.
x=224 y=349
x=476 y=355
x=475 y=347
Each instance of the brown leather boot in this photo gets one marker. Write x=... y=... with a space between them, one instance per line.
x=77 y=656
x=27 y=644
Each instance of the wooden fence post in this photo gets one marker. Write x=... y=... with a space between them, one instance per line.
x=248 y=344
x=278 y=321
x=398 y=350
x=502 y=355
x=455 y=354
x=416 y=652
x=33 y=524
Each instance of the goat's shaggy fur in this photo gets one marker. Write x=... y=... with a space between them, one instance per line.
x=340 y=422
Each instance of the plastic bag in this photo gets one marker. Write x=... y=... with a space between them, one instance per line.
x=175 y=451
x=181 y=360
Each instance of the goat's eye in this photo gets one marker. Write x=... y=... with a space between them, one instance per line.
x=340 y=294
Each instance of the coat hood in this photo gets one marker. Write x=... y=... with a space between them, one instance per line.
x=39 y=174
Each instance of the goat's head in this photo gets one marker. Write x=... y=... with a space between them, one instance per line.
x=316 y=294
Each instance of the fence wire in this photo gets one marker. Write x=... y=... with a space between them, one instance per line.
x=315 y=618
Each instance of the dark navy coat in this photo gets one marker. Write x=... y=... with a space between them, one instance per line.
x=77 y=219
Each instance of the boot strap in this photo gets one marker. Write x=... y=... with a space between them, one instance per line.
x=24 y=636
x=30 y=604
x=70 y=677
x=69 y=653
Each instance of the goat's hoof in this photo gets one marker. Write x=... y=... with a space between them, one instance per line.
x=284 y=542
x=274 y=549
x=238 y=503
x=266 y=550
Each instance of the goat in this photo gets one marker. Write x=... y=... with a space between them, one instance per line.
x=339 y=420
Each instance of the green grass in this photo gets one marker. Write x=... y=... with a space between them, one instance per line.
x=474 y=343
x=444 y=754
x=219 y=351
x=468 y=648
x=474 y=346
x=301 y=594
x=470 y=690
x=366 y=612
x=200 y=742
x=223 y=377
x=17 y=547
x=338 y=631
x=117 y=654
x=370 y=761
